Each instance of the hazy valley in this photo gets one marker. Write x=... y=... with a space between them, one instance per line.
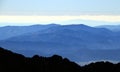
x=79 y=43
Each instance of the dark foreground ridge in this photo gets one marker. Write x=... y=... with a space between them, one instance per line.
x=13 y=62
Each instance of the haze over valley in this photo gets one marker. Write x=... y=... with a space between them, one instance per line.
x=77 y=42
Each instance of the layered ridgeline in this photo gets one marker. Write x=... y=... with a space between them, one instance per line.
x=79 y=43
x=13 y=62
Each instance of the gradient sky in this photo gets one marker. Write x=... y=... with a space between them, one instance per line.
x=46 y=11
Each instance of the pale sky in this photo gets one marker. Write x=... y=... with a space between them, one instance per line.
x=56 y=11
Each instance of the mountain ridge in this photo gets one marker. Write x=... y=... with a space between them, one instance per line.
x=70 y=41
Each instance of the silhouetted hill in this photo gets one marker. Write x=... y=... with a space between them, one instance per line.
x=13 y=62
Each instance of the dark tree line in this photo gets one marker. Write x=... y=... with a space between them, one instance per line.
x=13 y=62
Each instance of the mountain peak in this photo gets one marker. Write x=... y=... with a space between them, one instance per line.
x=78 y=25
x=83 y=25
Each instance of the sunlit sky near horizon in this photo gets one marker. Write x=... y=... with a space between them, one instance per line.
x=58 y=11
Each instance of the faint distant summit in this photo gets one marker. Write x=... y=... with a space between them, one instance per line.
x=115 y=28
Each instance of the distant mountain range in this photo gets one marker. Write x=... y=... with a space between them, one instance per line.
x=77 y=42
x=115 y=28
x=88 y=22
x=11 y=31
